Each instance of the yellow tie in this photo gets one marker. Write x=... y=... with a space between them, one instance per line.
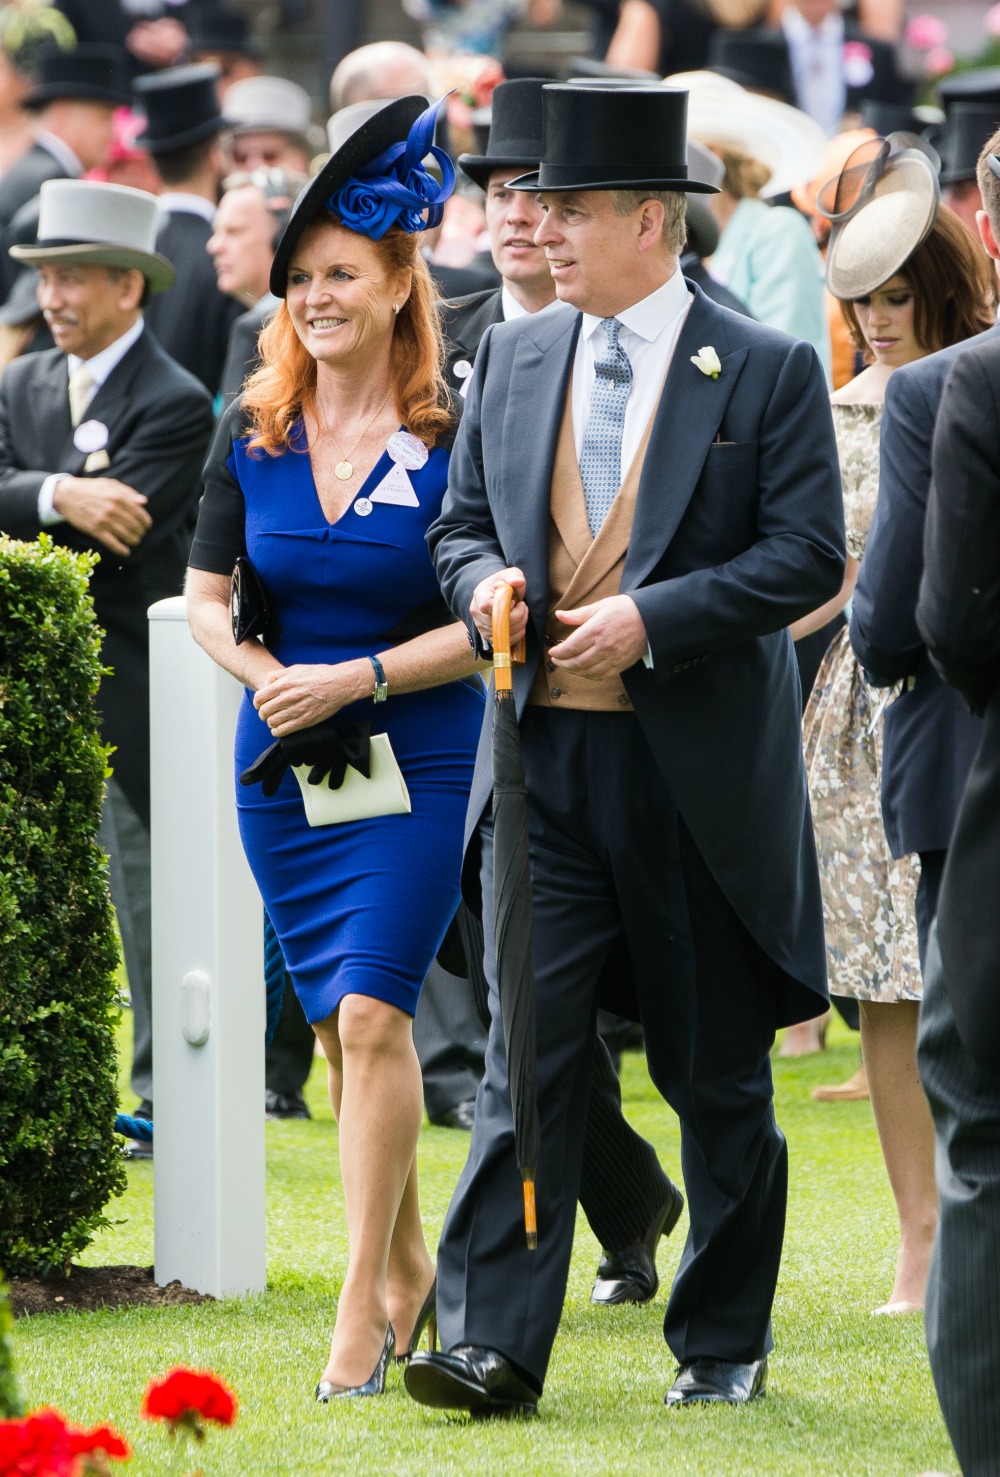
x=81 y=384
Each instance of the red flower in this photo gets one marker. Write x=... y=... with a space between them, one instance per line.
x=46 y=1445
x=185 y=1395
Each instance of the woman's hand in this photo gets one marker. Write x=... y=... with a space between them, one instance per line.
x=297 y=697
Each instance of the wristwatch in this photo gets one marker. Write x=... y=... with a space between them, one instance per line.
x=381 y=684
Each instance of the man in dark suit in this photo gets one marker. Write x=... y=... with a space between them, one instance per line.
x=816 y=58
x=74 y=98
x=101 y=445
x=959 y=1044
x=656 y=478
x=193 y=320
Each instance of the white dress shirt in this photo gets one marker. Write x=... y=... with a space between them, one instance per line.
x=649 y=334
x=817 y=56
x=100 y=367
x=512 y=308
x=179 y=202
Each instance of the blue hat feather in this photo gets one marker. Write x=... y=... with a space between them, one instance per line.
x=394 y=188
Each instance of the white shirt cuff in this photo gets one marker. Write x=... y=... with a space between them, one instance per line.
x=647 y=660
x=47 y=514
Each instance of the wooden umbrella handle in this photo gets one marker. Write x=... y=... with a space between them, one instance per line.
x=503 y=652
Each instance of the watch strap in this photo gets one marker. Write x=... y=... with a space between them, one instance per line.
x=381 y=682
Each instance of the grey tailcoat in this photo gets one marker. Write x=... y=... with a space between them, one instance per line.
x=738 y=532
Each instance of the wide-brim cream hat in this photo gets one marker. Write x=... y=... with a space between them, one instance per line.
x=99 y=225
x=883 y=205
x=722 y=113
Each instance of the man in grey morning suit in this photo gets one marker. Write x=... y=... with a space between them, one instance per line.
x=659 y=712
x=959 y=1043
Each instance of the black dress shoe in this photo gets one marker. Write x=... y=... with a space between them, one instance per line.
x=462 y=1116
x=704 y=1381
x=629 y=1276
x=470 y=1378
x=285 y=1105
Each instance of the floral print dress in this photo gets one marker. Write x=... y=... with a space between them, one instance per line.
x=868 y=897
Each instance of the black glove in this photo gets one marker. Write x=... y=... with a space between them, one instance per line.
x=328 y=748
x=267 y=770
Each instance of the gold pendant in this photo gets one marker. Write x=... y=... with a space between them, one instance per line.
x=343 y=471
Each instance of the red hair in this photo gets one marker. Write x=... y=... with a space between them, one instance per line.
x=275 y=395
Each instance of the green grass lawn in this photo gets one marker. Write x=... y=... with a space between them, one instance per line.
x=849 y=1394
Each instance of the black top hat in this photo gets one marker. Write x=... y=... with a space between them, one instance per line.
x=756 y=59
x=590 y=66
x=88 y=73
x=968 y=128
x=979 y=86
x=388 y=126
x=181 y=107
x=613 y=138
x=515 y=140
x=888 y=118
x=215 y=28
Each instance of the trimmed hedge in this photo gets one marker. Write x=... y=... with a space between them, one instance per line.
x=60 y=1162
x=10 y=1398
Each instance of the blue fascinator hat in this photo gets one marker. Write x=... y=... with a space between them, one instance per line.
x=374 y=180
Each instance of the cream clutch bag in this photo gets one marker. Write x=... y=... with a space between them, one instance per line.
x=358 y=799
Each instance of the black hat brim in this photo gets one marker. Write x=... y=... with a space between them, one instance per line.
x=165 y=144
x=389 y=125
x=84 y=92
x=538 y=181
x=479 y=167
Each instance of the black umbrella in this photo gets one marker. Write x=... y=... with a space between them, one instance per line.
x=512 y=908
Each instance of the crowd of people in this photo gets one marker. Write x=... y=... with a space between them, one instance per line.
x=704 y=369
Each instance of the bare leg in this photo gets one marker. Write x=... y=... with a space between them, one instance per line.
x=374 y=1069
x=411 y=1270
x=806 y=1037
x=906 y=1133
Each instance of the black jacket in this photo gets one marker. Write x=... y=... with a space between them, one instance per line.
x=241 y=356
x=959 y=617
x=192 y=319
x=159 y=422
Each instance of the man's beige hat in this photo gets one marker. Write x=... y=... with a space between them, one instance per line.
x=882 y=205
x=272 y=105
x=98 y=225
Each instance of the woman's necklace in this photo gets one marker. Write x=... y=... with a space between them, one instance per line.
x=344 y=470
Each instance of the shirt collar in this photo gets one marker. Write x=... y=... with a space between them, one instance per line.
x=180 y=202
x=798 y=29
x=101 y=365
x=648 y=318
x=60 y=151
x=512 y=308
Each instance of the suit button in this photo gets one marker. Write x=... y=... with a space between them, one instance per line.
x=555 y=692
x=550 y=666
x=623 y=699
x=550 y=641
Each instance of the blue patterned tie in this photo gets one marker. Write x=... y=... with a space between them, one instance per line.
x=601 y=453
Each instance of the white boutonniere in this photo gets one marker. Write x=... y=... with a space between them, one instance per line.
x=708 y=361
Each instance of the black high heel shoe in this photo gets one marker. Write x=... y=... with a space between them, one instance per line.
x=325 y=1391
x=426 y=1318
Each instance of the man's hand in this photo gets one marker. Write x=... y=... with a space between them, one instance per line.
x=481 y=607
x=158 y=43
x=106 y=509
x=610 y=637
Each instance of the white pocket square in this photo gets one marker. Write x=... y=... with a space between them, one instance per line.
x=97 y=461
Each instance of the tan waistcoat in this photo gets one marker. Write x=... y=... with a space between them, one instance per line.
x=583 y=569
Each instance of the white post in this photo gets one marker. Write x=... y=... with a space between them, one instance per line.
x=208 y=989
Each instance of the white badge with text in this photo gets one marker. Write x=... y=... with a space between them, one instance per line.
x=397 y=488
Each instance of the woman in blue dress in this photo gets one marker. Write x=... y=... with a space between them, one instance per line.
x=325 y=477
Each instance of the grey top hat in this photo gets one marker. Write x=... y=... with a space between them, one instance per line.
x=271 y=105
x=98 y=225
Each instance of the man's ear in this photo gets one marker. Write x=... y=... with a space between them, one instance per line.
x=988 y=235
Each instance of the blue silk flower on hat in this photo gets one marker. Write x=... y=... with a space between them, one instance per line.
x=395 y=188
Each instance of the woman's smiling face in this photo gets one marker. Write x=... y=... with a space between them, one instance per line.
x=341 y=294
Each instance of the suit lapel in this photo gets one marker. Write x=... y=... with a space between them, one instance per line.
x=536 y=399
x=108 y=405
x=688 y=416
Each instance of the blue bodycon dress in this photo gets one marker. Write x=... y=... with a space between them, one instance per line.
x=359 y=908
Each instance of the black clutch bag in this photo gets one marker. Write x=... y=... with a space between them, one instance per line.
x=248 y=604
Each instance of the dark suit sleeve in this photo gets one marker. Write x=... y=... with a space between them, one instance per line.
x=959 y=609
x=18 y=489
x=463 y=540
x=884 y=630
x=220 y=537
x=797 y=560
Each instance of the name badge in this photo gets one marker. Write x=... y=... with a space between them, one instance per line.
x=397 y=488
